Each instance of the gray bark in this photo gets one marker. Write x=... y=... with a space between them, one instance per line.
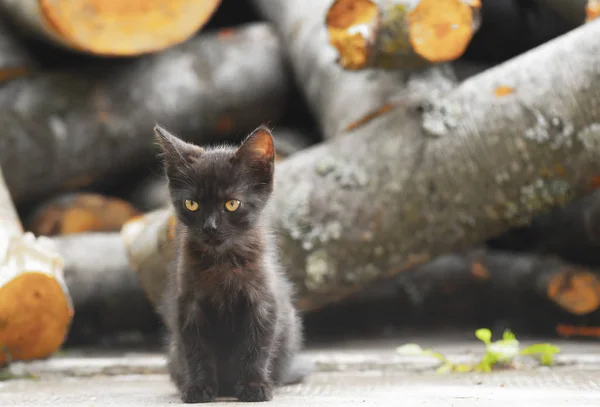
x=289 y=141
x=572 y=232
x=150 y=248
x=410 y=187
x=106 y=293
x=336 y=97
x=11 y=224
x=79 y=126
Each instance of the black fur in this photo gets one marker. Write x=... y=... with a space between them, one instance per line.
x=232 y=327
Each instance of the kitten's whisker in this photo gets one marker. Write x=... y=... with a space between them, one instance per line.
x=153 y=172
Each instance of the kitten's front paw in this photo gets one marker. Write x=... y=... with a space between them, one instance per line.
x=254 y=391
x=198 y=394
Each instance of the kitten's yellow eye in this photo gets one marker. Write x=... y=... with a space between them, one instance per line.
x=232 y=205
x=191 y=206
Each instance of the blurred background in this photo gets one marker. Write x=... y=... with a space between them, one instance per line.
x=437 y=161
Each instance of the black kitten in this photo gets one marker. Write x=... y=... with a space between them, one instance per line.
x=232 y=327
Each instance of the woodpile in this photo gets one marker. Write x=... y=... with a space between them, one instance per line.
x=428 y=152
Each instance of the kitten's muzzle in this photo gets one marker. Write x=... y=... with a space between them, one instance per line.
x=210 y=232
x=210 y=226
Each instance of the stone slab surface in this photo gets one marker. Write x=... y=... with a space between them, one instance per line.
x=366 y=373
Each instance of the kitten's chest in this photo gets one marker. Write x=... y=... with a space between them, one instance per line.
x=225 y=278
x=225 y=321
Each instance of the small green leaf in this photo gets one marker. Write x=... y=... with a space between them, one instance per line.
x=546 y=359
x=508 y=336
x=487 y=361
x=502 y=351
x=462 y=368
x=436 y=355
x=540 y=348
x=543 y=351
x=410 y=349
x=484 y=335
x=483 y=367
x=444 y=369
x=7 y=374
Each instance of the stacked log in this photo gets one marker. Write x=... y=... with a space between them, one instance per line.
x=115 y=106
x=528 y=292
x=112 y=28
x=35 y=304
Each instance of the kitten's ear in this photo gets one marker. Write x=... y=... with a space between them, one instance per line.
x=177 y=152
x=258 y=150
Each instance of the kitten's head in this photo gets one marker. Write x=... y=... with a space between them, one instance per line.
x=218 y=193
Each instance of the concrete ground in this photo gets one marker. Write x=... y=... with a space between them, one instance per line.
x=366 y=373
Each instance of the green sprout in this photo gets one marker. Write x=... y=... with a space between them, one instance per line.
x=502 y=352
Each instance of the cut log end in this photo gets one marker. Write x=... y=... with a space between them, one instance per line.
x=350 y=24
x=393 y=35
x=576 y=291
x=441 y=30
x=79 y=213
x=35 y=315
x=115 y=27
x=592 y=10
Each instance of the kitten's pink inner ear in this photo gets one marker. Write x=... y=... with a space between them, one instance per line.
x=260 y=143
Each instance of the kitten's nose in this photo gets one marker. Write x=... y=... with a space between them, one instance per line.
x=210 y=226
